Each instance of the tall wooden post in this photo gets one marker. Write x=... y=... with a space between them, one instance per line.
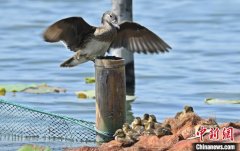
x=110 y=95
x=123 y=8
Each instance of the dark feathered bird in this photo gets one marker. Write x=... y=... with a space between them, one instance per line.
x=89 y=42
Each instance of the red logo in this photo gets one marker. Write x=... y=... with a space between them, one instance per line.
x=214 y=133
x=201 y=132
x=227 y=133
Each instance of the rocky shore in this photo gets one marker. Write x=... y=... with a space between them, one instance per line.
x=185 y=129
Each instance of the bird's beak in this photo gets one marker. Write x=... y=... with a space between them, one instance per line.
x=115 y=24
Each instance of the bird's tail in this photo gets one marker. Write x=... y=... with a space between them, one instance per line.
x=71 y=62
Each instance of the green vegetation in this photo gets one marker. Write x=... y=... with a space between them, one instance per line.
x=90 y=80
x=34 y=148
x=2 y=91
x=16 y=87
x=86 y=94
x=90 y=94
x=219 y=101
x=30 y=88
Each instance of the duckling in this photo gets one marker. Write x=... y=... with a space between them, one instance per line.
x=168 y=130
x=136 y=121
x=159 y=132
x=188 y=109
x=152 y=119
x=121 y=137
x=137 y=125
x=149 y=129
x=145 y=119
x=131 y=133
x=126 y=128
x=168 y=126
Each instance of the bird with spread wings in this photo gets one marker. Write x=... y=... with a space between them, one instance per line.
x=89 y=42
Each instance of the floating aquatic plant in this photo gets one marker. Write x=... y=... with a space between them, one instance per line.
x=2 y=91
x=89 y=80
x=30 y=88
x=29 y=147
x=220 y=101
x=90 y=94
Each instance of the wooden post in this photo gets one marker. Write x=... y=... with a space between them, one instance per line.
x=110 y=95
x=123 y=8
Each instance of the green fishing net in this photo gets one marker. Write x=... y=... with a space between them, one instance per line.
x=17 y=121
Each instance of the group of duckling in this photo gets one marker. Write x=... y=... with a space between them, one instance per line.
x=147 y=125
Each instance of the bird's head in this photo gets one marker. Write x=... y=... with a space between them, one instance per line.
x=110 y=18
x=119 y=133
x=152 y=118
x=137 y=121
x=188 y=109
x=145 y=116
x=126 y=127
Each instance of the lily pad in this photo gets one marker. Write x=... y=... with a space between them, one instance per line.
x=2 y=91
x=34 y=148
x=130 y=97
x=16 y=87
x=86 y=94
x=30 y=88
x=44 y=88
x=90 y=80
x=220 y=101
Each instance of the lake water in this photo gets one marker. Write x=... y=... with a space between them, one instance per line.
x=204 y=61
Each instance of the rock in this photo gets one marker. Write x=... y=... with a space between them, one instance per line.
x=184 y=145
x=84 y=148
x=184 y=124
x=111 y=146
x=187 y=131
x=230 y=124
x=155 y=143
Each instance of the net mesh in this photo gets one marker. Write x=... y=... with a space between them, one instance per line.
x=19 y=121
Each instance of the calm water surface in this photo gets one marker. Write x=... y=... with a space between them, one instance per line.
x=204 y=61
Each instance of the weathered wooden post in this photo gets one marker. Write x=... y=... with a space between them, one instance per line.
x=123 y=8
x=110 y=95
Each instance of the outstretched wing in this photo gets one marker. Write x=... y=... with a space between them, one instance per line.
x=72 y=31
x=137 y=38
